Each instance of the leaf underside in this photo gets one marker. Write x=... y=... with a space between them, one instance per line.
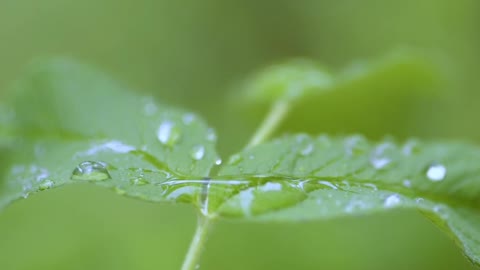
x=71 y=124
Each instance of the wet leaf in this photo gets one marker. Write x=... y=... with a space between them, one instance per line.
x=300 y=178
x=72 y=124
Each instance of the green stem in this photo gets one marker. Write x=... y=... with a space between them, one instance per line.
x=196 y=246
x=275 y=116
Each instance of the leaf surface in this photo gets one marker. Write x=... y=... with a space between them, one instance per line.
x=299 y=178
x=74 y=124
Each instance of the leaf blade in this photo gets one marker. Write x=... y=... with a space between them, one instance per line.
x=67 y=113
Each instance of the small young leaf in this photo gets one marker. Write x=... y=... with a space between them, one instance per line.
x=302 y=178
x=73 y=124
x=301 y=79
x=289 y=81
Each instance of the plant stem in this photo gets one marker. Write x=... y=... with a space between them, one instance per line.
x=196 y=246
x=277 y=113
x=275 y=116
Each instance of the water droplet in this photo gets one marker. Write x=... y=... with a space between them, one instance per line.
x=211 y=135
x=407 y=183
x=392 y=201
x=246 y=200
x=91 y=171
x=167 y=133
x=271 y=187
x=307 y=150
x=378 y=158
x=353 y=146
x=251 y=157
x=42 y=173
x=26 y=190
x=328 y=184
x=188 y=118
x=139 y=181
x=46 y=185
x=354 y=205
x=436 y=172
x=372 y=186
x=114 y=146
x=419 y=200
x=218 y=161
x=441 y=210
x=410 y=148
x=198 y=152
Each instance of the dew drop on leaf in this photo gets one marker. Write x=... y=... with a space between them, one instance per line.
x=46 y=185
x=328 y=184
x=392 y=201
x=198 y=152
x=372 y=186
x=139 y=181
x=353 y=146
x=407 y=183
x=436 y=172
x=167 y=134
x=378 y=158
x=246 y=200
x=271 y=187
x=218 y=161
x=410 y=147
x=91 y=171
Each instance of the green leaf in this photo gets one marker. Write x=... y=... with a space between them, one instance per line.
x=288 y=81
x=373 y=96
x=74 y=124
x=301 y=80
x=71 y=124
x=299 y=178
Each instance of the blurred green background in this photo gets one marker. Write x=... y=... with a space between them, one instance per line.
x=191 y=54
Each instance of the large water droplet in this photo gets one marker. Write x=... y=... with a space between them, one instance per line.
x=218 y=161
x=271 y=187
x=167 y=133
x=91 y=171
x=198 y=152
x=436 y=172
x=392 y=201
